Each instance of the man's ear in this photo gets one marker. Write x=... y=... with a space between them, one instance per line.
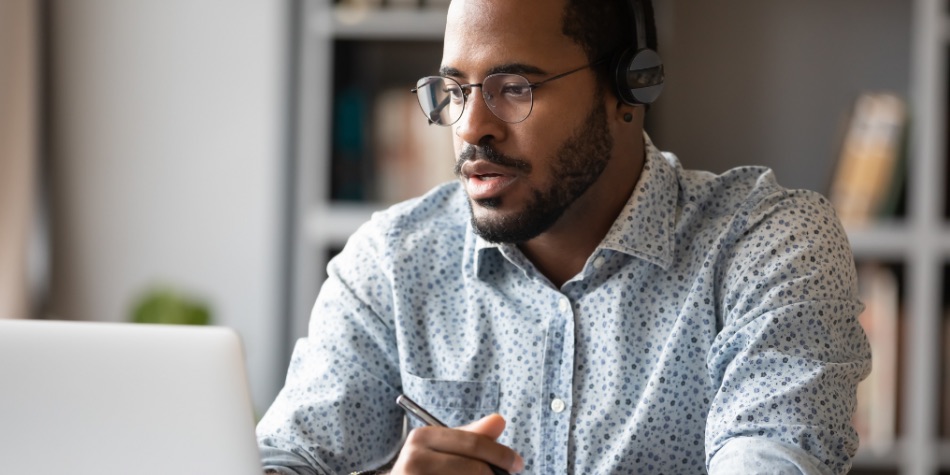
x=628 y=113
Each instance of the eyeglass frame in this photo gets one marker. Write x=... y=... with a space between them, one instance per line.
x=531 y=87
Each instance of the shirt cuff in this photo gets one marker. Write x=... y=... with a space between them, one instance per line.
x=749 y=455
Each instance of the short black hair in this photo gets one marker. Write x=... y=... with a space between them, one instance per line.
x=604 y=29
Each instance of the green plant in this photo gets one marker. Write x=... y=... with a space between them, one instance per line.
x=170 y=307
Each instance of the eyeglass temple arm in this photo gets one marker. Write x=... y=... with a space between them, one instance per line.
x=437 y=109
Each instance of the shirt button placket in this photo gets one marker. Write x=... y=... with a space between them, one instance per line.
x=559 y=429
x=564 y=305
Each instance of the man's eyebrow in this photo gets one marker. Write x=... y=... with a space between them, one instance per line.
x=510 y=68
x=449 y=72
x=517 y=68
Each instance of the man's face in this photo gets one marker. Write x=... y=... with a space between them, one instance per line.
x=520 y=178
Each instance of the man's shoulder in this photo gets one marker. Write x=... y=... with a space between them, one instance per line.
x=741 y=189
x=432 y=226
x=443 y=204
x=441 y=211
x=746 y=200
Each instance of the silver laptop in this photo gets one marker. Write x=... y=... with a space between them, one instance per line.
x=86 y=398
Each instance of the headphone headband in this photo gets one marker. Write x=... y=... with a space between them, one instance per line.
x=640 y=24
x=638 y=75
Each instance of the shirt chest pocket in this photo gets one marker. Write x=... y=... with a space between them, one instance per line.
x=455 y=403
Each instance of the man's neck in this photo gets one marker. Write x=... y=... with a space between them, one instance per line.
x=559 y=258
x=561 y=252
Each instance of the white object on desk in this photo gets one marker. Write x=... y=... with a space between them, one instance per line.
x=89 y=398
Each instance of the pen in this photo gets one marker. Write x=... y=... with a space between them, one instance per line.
x=428 y=419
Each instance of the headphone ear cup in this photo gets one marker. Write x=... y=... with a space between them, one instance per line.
x=638 y=76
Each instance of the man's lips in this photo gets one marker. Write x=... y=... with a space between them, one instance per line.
x=484 y=180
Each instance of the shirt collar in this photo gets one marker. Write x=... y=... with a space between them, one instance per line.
x=644 y=228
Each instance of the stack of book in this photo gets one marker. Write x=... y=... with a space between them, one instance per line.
x=411 y=156
x=868 y=181
x=876 y=415
x=384 y=150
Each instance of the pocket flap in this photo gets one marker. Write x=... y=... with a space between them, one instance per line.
x=456 y=395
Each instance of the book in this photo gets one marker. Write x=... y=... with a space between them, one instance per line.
x=411 y=156
x=868 y=177
x=893 y=201
x=348 y=165
x=945 y=377
x=875 y=418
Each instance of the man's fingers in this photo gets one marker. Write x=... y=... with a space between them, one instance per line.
x=490 y=426
x=468 y=444
x=421 y=461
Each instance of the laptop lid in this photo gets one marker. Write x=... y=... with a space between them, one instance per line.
x=111 y=398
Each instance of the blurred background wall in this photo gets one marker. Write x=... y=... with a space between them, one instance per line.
x=164 y=130
x=19 y=157
x=771 y=83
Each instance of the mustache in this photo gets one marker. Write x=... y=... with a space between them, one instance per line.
x=489 y=154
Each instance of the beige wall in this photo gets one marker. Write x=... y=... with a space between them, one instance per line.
x=18 y=151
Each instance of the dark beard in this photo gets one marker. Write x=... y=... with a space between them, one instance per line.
x=578 y=163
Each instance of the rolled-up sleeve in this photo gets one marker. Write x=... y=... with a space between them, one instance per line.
x=791 y=351
x=753 y=456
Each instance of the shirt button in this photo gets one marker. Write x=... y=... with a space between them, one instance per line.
x=599 y=262
x=564 y=305
x=558 y=406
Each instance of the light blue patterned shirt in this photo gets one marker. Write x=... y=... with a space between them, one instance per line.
x=714 y=329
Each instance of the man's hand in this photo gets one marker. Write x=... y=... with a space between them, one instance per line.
x=463 y=450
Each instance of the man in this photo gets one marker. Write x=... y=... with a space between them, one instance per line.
x=577 y=302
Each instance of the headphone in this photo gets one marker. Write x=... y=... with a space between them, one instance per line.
x=638 y=70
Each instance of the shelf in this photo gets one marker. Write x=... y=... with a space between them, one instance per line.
x=369 y=24
x=890 y=239
x=879 y=459
x=943 y=453
x=895 y=239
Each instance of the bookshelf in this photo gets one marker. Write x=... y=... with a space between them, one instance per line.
x=917 y=243
x=321 y=222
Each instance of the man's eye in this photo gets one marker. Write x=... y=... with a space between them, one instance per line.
x=516 y=91
x=455 y=93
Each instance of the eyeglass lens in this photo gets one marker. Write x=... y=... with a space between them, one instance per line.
x=442 y=99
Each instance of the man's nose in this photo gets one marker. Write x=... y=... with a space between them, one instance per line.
x=478 y=122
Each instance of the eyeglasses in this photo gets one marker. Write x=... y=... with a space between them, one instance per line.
x=508 y=96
